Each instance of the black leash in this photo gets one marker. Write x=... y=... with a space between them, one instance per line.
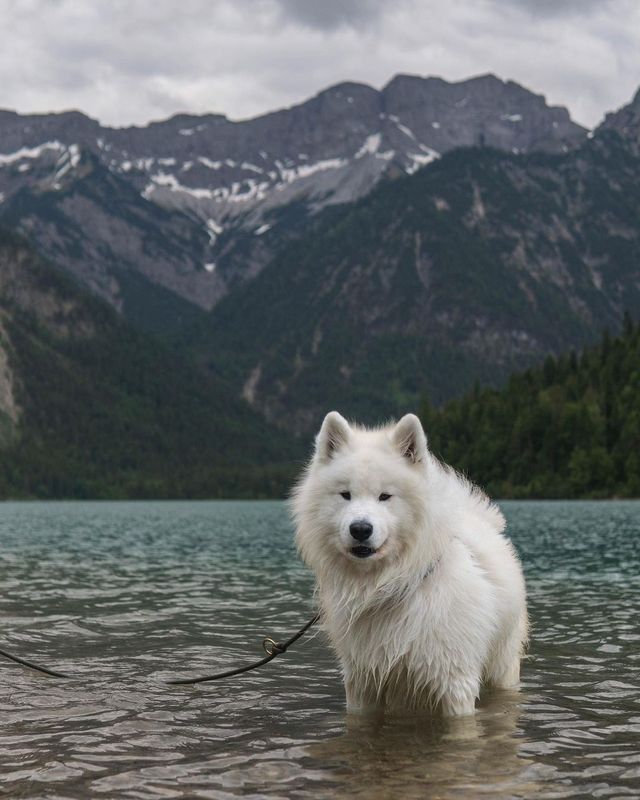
x=31 y=665
x=272 y=649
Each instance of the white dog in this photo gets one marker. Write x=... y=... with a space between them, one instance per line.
x=422 y=596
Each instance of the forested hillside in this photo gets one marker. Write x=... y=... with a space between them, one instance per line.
x=570 y=428
x=91 y=408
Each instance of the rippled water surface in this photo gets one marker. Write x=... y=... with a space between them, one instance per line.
x=124 y=596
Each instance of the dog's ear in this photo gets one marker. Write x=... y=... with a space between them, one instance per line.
x=409 y=437
x=334 y=434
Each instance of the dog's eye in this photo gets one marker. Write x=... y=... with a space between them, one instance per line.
x=345 y=495
x=384 y=496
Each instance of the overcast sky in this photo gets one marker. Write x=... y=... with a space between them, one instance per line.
x=132 y=61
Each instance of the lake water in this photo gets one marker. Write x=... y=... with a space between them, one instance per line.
x=126 y=595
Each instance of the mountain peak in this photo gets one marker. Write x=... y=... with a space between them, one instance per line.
x=347 y=86
x=434 y=80
x=625 y=121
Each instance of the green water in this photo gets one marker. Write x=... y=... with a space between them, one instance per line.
x=127 y=595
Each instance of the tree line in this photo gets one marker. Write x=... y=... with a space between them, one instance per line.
x=567 y=429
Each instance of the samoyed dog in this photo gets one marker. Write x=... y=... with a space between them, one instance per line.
x=421 y=594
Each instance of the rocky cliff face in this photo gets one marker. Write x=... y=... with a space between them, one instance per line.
x=199 y=204
x=626 y=122
x=141 y=258
x=9 y=409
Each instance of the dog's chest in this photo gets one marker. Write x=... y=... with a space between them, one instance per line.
x=383 y=634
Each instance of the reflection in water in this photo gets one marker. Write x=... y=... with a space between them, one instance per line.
x=379 y=754
x=126 y=595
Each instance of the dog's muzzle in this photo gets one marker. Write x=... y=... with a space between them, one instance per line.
x=361 y=530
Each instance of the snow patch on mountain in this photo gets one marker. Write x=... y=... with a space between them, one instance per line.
x=251 y=167
x=168 y=181
x=421 y=159
x=69 y=159
x=407 y=131
x=140 y=164
x=207 y=162
x=288 y=175
x=214 y=230
x=30 y=152
x=371 y=145
x=191 y=131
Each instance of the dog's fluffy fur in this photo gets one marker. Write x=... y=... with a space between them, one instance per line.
x=437 y=608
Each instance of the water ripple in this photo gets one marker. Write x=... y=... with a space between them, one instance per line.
x=123 y=596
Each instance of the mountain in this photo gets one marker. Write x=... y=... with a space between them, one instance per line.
x=569 y=428
x=139 y=257
x=297 y=262
x=482 y=264
x=626 y=122
x=305 y=260
x=89 y=407
x=198 y=205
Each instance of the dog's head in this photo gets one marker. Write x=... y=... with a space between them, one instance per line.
x=362 y=497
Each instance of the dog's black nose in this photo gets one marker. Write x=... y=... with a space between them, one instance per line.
x=361 y=530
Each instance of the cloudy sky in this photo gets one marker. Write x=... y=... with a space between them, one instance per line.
x=129 y=62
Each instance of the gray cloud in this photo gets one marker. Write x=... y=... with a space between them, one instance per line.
x=126 y=62
x=332 y=14
x=559 y=8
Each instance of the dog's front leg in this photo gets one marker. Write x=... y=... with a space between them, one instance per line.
x=459 y=696
x=361 y=694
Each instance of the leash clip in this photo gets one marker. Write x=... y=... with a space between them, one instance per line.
x=272 y=648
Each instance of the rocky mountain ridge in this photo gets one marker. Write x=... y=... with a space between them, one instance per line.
x=240 y=190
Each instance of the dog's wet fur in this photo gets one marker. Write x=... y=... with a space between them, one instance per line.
x=421 y=594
